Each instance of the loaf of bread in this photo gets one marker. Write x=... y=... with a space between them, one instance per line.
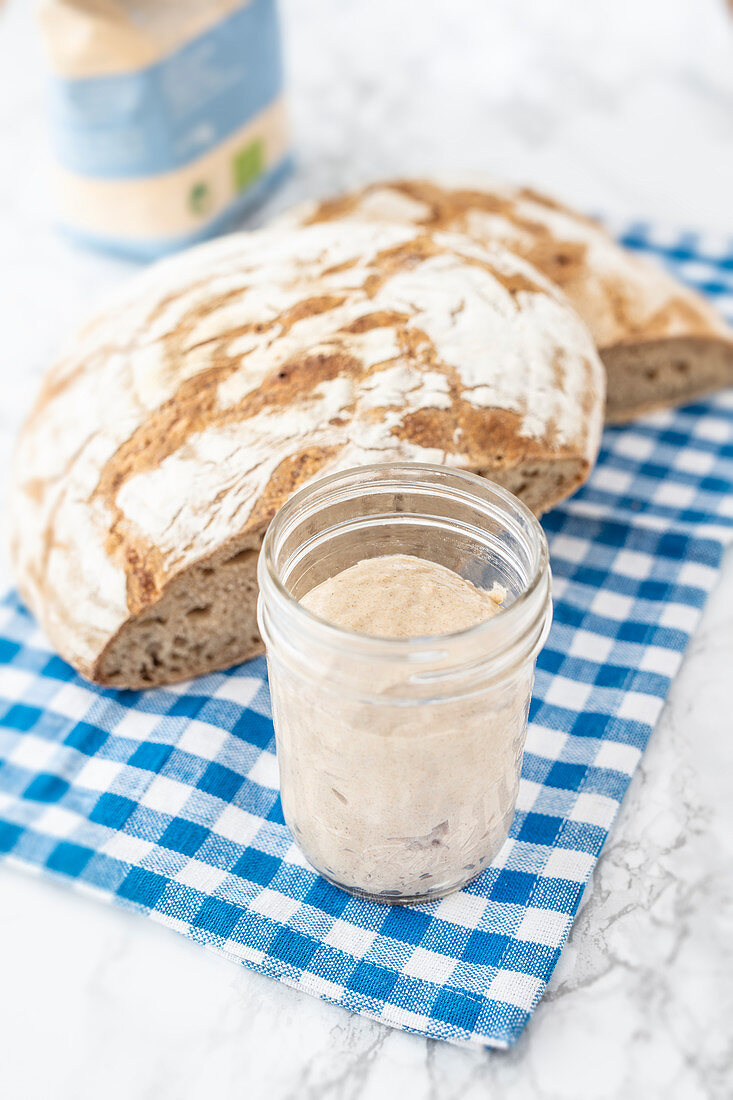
x=224 y=378
x=661 y=343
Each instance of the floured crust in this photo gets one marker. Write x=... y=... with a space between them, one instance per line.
x=224 y=378
x=626 y=300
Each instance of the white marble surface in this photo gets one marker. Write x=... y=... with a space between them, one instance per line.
x=620 y=105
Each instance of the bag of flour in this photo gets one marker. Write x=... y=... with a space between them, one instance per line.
x=167 y=116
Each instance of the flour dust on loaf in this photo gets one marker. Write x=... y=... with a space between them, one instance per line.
x=661 y=343
x=223 y=379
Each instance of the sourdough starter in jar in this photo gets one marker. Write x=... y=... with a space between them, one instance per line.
x=393 y=800
x=400 y=596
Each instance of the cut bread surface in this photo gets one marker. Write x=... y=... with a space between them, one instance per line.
x=658 y=373
x=205 y=618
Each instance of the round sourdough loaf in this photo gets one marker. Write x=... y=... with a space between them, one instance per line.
x=661 y=343
x=224 y=378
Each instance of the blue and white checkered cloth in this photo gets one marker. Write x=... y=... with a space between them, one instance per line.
x=167 y=801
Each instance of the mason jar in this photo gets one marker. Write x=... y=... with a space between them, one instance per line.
x=400 y=758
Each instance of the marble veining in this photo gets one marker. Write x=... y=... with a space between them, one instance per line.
x=619 y=107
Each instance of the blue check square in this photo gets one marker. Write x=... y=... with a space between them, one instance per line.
x=218 y=917
x=293 y=948
x=372 y=981
x=184 y=836
x=220 y=781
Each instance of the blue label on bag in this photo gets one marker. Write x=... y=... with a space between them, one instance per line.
x=160 y=118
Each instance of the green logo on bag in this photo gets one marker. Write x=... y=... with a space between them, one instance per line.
x=200 y=198
x=248 y=164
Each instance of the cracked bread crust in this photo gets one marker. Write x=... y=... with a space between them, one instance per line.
x=223 y=379
x=661 y=343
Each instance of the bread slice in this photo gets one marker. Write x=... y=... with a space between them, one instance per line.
x=661 y=343
x=224 y=378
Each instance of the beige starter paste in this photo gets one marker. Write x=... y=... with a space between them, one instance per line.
x=388 y=798
x=399 y=596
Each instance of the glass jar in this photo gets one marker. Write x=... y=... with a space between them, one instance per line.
x=400 y=758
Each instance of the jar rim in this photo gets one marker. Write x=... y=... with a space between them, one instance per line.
x=333 y=635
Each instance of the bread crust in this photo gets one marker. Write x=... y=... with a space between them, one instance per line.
x=223 y=379
x=627 y=301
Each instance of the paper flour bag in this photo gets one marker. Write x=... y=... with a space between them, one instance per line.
x=167 y=116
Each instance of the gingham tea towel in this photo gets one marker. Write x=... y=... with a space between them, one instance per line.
x=167 y=801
